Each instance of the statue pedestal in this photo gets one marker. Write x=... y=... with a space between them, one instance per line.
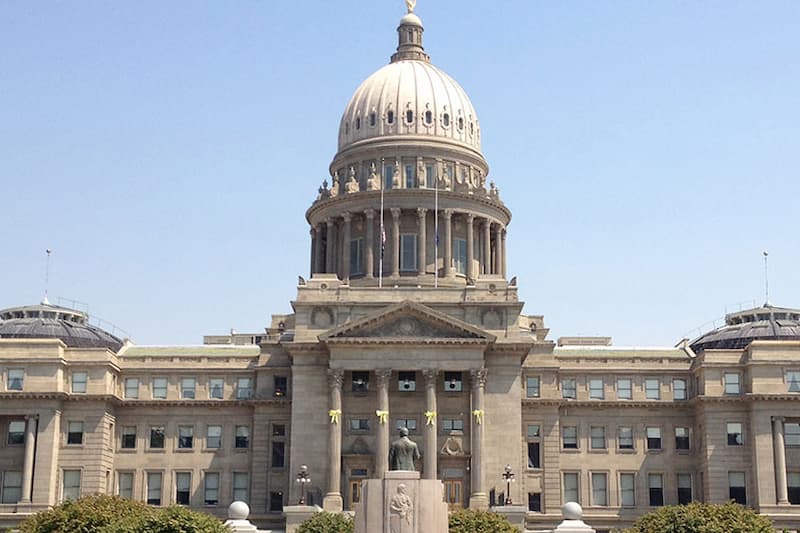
x=401 y=502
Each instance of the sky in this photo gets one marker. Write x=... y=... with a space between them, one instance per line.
x=166 y=153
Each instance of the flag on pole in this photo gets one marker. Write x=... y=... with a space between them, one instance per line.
x=383 y=239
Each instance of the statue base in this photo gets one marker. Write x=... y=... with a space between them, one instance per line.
x=401 y=502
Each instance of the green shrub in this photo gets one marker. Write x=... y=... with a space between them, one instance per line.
x=327 y=523
x=471 y=521
x=702 y=518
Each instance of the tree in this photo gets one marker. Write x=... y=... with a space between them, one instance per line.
x=327 y=523
x=471 y=521
x=702 y=518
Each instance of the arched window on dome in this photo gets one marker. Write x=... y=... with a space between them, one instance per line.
x=373 y=119
x=428 y=117
x=347 y=128
x=446 y=119
x=409 y=116
x=471 y=128
x=390 y=117
x=460 y=123
x=358 y=123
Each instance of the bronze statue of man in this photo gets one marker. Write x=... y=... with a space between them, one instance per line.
x=403 y=452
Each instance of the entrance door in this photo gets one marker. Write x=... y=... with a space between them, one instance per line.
x=453 y=494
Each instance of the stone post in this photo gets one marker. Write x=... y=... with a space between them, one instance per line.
x=369 y=238
x=382 y=447
x=779 y=448
x=329 y=269
x=448 y=242
x=422 y=240
x=487 y=247
x=478 y=498
x=333 y=499
x=429 y=460
x=347 y=217
x=395 y=241
x=27 y=467
x=470 y=246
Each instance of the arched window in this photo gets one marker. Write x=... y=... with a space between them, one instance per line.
x=446 y=120
x=409 y=116
x=358 y=123
x=460 y=123
x=390 y=117
x=373 y=119
x=428 y=117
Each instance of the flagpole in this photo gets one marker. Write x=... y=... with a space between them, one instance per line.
x=436 y=231
x=383 y=234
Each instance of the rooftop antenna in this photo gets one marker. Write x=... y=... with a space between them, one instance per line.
x=45 y=301
x=766 y=278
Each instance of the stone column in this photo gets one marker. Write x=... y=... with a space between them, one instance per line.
x=448 y=242
x=430 y=464
x=779 y=448
x=498 y=258
x=422 y=213
x=27 y=466
x=347 y=217
x=395 y=241
x=382 y=447
x=333 y=499
x=487 y=247
x=329 y=247
x=312 y=232
x=503 y=252
x=318 y=257
x=478 y=498
x=470 y=246
x=369 y=238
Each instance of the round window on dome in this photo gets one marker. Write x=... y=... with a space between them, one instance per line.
x=409 y=116
x=390 y=117
x=446 y=120
x=428 y=117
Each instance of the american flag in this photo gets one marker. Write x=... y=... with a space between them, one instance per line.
x=383 y=240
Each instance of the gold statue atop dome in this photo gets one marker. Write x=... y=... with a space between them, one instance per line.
x=411 y=4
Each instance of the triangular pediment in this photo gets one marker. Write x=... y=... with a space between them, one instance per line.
x=407 y=321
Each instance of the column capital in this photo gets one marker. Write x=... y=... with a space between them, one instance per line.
x=312 y=231
x=430 y=375
x=383 y=375
x=329 y=221
x=347 y=216
x=335 y=378
x=32 y=417
x=470 y=218
x=395 y=212
x=422 y=211
x=369 y=213
x=478 y=378
x=487 y=223
x=447 y=213
x=779 y=419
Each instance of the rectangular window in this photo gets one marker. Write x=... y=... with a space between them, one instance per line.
x=627 y=490
x=157 y=437
x=534 y=454
x=12 y=487
x=453 y=382
x=244 y=388
x=409 y=423
x=278 y=454
x=132 y=388
x=216 y=388
x=791 y=432
x=735 y=435
x=15 y=379
x=275 y=502
x=679 y=389
x=278 y=430
x=570 y=486
x=241 y=487
x=625 y=438
x=681 y=438
x=125 y=485
x=624 y=389
x=159 y=388
x=213 y=437
x=411 y=176
x=359 y=424
x=460 y=255
x=793 y=380
x=128 y=441
x=183 y=487
x=408 y=252
x=532 y=387
x=360 y=382
x=188 y=387
x=737 y=490
x=242 y=437
x=596 y=391
x=79 y=382
x=568 y=388
x=16 y=433
x=71 y=489
x=211 y=488
x=154 y=488
x=281 y=388
x=388 y=172
x=74 y=432
x=652 y=389
x=357 y=256
x=452 y=424
x=407 y=381
x=655 y=485
x=599 y=489
x=684 y=489
x=535 y=502
x=732 y=385
x=430 y=176
x=793 y=479
x=653 y=438
x=569 y=435
x=185 y=437
x=598 y=437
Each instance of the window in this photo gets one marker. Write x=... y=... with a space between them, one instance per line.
x=244 y=388
x=452 y=424
x=281 y=388
x=360 y=381
x=732 y=385
x=358 y=123
x=157 y=437
x=132 y=388
x=242 y=437
x=598 y=438
x=535 y=502
x=428 y=117
x=159 y=388
x=128 y=441
x=211 y=488
x=407 y=381
x=791 y=432
x=278 y=454
x=625 y=438
x=79 y=381
x=570 y=486
x=213 y=437
x=408 y=252
x=71 y=489
x=793 y=380
x=409 y=423
x=569 y=437
x=599 y=489
x=278 y=430
x=359 y=424
x=183 y=487
x=684 y=488
x=652 y=389
x=461 y=123
x=681 y=438
x=655 y=485
x=627 y=489
x=532 y=387
x=446 y=120
x=737 y=490
x=653 y=438
x=125 y=485
x=596 y=391
x=793 y=479
x=624 y=389
x=390 y=116
x=373 y=119
x=430 y=176
x=568 y=388
x=216 y=388
x=12 y=487
x=460 y=255
x=411 y=176
x=15 y=379
x=534 y=446
x=275 y=502
x=74 y=432
x=735 y=436
x=241 y=487
x=16 y=433
x=154 y=488
x=185 y=437
x=453 y=382
x=679 y=389
x=409 y=116
x=188 y=386
x=388 y=173
x=356 y=256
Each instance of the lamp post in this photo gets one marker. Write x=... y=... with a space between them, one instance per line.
x=303 y=478
x=508 y=475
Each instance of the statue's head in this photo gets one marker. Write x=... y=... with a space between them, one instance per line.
x=401 y=488
x=404 y=431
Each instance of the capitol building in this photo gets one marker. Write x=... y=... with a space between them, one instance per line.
x=405 y=318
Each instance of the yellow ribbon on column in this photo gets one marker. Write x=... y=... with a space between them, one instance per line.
x=478 y=416
x=334 y=414
x=382 y=416
x=430 y=418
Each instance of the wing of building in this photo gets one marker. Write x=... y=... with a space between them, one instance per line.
x=406 y=320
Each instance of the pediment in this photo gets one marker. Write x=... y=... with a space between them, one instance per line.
x=408 y=322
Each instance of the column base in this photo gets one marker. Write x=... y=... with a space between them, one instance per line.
x=332 y=502
x=479 y=501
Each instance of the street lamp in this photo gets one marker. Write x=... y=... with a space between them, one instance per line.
x=303 y=478
x=508 y=475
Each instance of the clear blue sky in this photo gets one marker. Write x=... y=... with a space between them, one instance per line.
x=167 y=152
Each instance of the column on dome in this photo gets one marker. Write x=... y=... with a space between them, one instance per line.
x=478 y=498
x=27 y=465
x=312 y=232
x=779 y=449
x=333 y=498
x=383 y=376
x=395 y=241
x=487 y=247
x=369 y=241
x=429 y=465
x=422 y=240
x=448 y=242
x=503 y=252
x=345 y=258
x=498 y=258
x=329 y=246
x=470 y=247
x=318 y=257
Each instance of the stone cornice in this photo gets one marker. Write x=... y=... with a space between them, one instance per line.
x=603 y=404
x=34 y=395
x=283 y=402
x=347 y=341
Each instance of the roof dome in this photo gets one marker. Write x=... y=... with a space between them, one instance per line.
x=52 y=322
x=743 y=327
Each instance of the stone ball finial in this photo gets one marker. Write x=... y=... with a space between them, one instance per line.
x=238 y=511
x=572 y=511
